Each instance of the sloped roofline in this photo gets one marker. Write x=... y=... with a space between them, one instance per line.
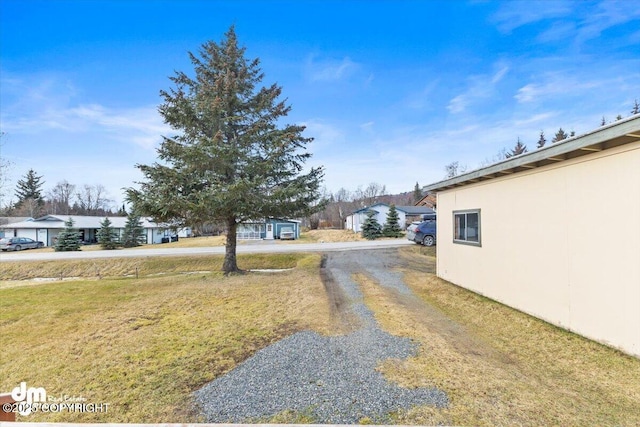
x=398 y=207
x=621 y=132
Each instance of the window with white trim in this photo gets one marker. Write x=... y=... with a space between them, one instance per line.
x=466 y=227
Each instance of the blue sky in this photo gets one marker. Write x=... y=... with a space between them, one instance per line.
x=392 y=91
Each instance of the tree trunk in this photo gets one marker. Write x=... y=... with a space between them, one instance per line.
x=230 y=264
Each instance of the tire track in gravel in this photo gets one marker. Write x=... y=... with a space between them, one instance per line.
x=331 y=379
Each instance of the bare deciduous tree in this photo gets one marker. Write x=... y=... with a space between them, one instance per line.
x=92 y=199
x=371 y=193
x=60 y=197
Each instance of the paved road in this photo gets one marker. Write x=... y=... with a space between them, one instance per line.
x=261 y=247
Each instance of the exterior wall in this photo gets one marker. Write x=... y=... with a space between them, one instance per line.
x=355 y=220
x=560 y=242
x=27 y=232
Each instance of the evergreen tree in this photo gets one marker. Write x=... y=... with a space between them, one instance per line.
x=232 y=159
x=417 y=193
x=371 y=228
x=519 y=148
x=603 y=122
x=106 y=235
x=542 y=141
x=391 y=227
x=618 y=117
x=560 y=135
x=636 y=108
x=30 y=188
x=68 y=238
x=133 y=234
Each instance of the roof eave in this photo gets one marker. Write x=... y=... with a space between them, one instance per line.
x=619 y=133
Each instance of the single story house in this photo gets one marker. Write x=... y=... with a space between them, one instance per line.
x=406 y=215
x=268 y=229
x=47 y=228
x=554 y=233
x=4 y=220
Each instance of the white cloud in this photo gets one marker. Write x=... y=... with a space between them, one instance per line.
x=329 y=70
x=515 y=14
x=479 y=87
x=41 y=104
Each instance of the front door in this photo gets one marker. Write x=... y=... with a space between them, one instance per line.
x=270 y=231
x=42 y=236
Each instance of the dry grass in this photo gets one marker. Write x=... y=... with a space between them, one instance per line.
x=191 y=242
x=143 y=345
x=144 y=266
x=500 y=366
x=330 y=236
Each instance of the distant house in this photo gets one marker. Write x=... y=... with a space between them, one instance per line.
x=267 y=229
x=4 y=220
x=406 y=215
x=525 y=232
x=429 y=201
x=47 y=228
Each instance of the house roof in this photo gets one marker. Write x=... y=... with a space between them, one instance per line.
x=79 y=221
x=411 y=210
x=621 y=132
x=12 y=219
x=429 y=201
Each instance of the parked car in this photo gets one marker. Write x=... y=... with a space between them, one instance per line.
x=411 y=231
x=19 y=243
x=423 y=233
x=287 y=233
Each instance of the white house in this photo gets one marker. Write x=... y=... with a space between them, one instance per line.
x=47 y=228
x=554 y=233
x=406 y=214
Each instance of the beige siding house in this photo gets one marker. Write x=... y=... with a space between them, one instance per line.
x=554 y=233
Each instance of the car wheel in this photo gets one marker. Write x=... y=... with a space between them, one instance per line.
x=18 y=248
x=428 y=241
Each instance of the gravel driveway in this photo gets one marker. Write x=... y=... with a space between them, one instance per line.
x=330 y=379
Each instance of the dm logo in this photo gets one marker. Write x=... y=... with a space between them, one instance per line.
x=29 y=396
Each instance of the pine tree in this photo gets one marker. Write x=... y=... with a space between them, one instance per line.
x=106 y=235
x=232 y=159
x=391 y=227
x=542 y=141
x=636 y=108
x=417 y=193
x=560 y=135
x=371 y=229
x=133 y=234
x=68 y=239
x=519 y=148
x=618 y=117
x=603 y=122
x=30 y=188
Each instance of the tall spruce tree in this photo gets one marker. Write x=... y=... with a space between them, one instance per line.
x=391 y=227
x=371 y=228
x=559 y=136
x=519 y=148
x=417 y=193
x=232 y=159
x=133 y=233
x=636 y=107
x=68 y=239
x=29 y=188
x=106 y=235
x=542 y=141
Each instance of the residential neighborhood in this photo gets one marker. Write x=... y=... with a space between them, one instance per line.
x=341 y=213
